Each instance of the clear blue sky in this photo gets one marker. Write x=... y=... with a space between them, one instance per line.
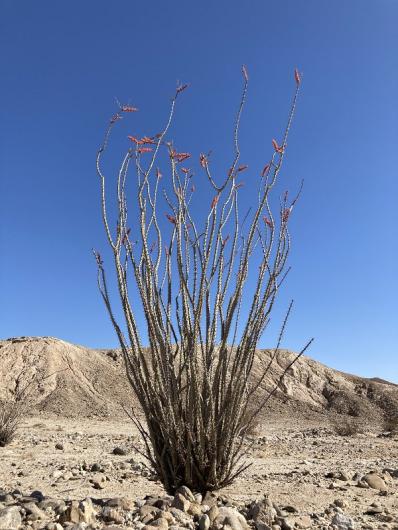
x=62 y=64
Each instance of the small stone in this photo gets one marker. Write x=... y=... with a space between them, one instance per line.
x=80 y=512
x=342 y=522
x=181 y=502
x=287 y=524
x=10 y=518
x=375 y=482
x=112 y=515
x=34 y=512
x=58 y=506
x=195 y=509
x=120 y=451
x=304 y=521
x=95 y=468
x=147 y=509
x=160 y=523
x=213 y=513
x=186 y=492
x=59 y=446
x=124 y=503
x=204 y=522
x=340 y=503
x=231 y=517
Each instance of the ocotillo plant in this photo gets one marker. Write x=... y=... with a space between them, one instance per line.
x=189 y=276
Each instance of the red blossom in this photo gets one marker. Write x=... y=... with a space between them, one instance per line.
x=147 y=140
x=158 y=173
x=265 y=170
x=203 y=160
x=185 y=170
x=243 y=167
x=127 y=108
x=193 y=188
x=224 y=241
x=239 y=185
x=268 y=222
x=285 y=214
x=171 y=218
x=181 y=88
x=135 y=140
x=278 y=149
x=115 y=117
x=297 y=77
x=180 y=157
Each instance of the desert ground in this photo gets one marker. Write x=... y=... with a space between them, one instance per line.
x=310 y=467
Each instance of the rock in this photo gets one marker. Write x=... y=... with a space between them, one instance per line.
x=262 y=511
x=112 y=515
x=374 y=509
x=124 y=503
x=186 y=492
x=286 y=524
x=195 y=509
x=304 y=521
x=59 y=447
x=160 y=523
x=38 y=495
x=231 y=517
x=10 y=518
x=340 y=503
x=98 y=484
x=213 y=513
x=204 y=522
x=80 y=512
x=290 y=509
x=375 y=482
x=34 y=512
x=147 y=509
x=343 y=475
x=181 y=502
x=342 y=522
x=120 y=451
x=58 y=506
x=210 y=499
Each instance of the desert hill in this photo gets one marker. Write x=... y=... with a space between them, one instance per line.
x=74 y=381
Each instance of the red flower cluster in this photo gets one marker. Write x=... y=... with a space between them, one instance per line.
x=278 y=149
x=115 y=117
x=127 y=108
x=268 y=222
x=180 y=157
x=171 y=218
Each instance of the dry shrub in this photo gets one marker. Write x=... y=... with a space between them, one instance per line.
x=346 y=426
x=11 y=414
x=184 y=270
x=390 y=421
